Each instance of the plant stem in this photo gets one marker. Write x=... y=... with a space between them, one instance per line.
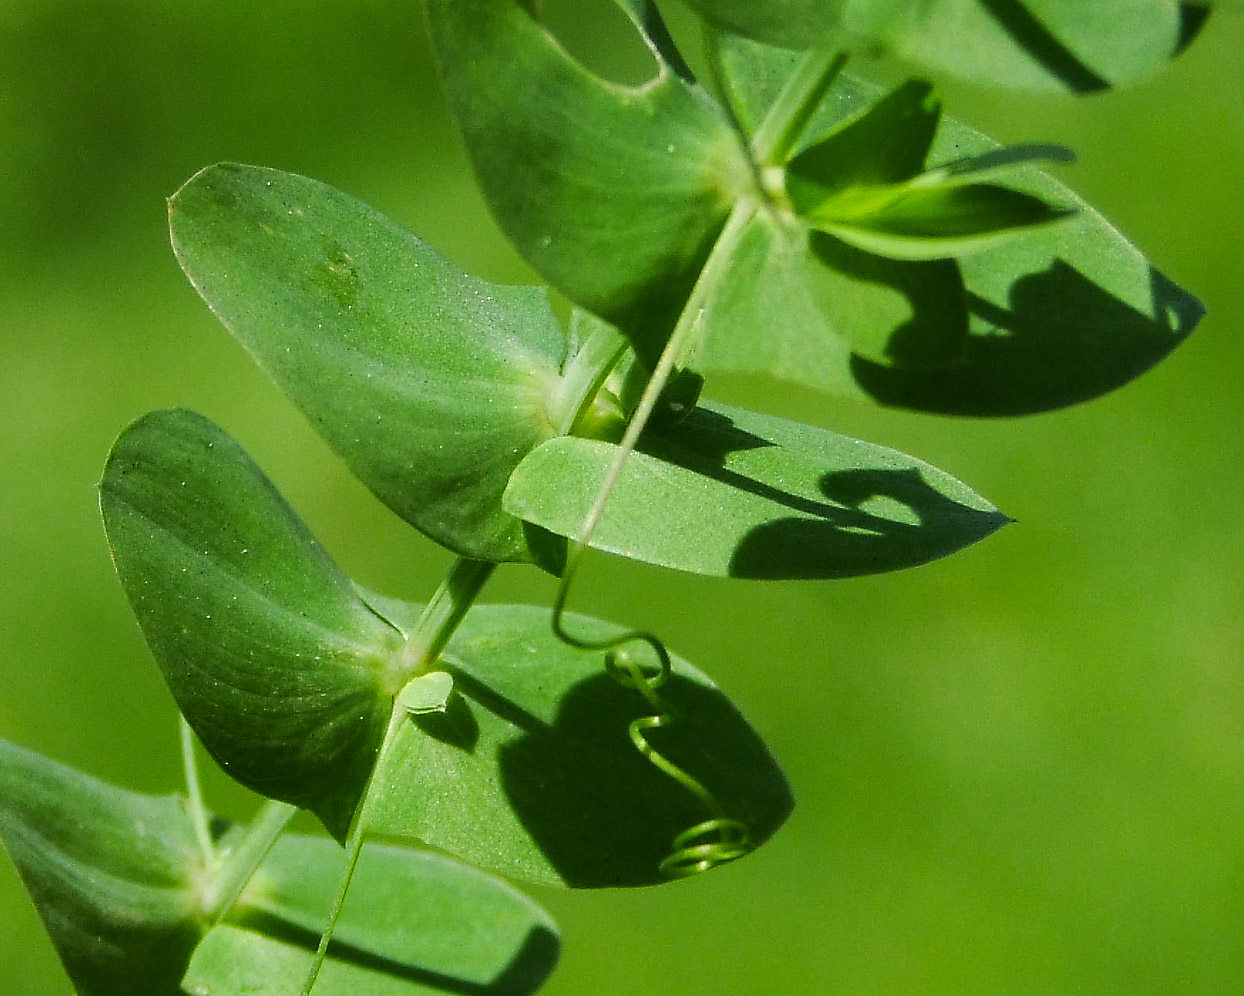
x=240 y=865
x=795 y=104
x=194 y=796
x=358 y=825
x=442 y=615
x=679 y=340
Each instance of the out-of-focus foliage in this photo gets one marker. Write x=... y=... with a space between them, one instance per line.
x=1019 y=770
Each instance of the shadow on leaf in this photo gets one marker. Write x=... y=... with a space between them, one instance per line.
x=865 y=520
x=1063 y=340
x=1046 y=48
x=531 y=965
x=601 y=813
x=880 y=520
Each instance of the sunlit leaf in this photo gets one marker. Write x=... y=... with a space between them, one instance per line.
x=273 y=657
x=729 y=492
x=113 y=874
x=119 y=880
x=414 y=923
x=1061 y=314
x=430 y=383
x=427 y=692
x=530 y=771
x=614 y=193
x=1037 y=45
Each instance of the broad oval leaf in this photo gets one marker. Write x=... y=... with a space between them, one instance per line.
x=530 y=771
x=113 y=874
x=1057 y=316
x=1074 y=46
x=270 y=652
x=414 y=923
x=430 y=383
x=613 y=193
x=729 y=492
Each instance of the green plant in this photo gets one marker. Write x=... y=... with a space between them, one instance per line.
x=468 y=411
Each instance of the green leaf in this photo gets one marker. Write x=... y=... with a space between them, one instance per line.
x=530 y=772
x=866 y=184
x=797 y=304
x=885 y=144
x=938 y=223
x=998 y=162
x=430 y=383
x=1037 y=45
x=613 y=193
x=119 y=880
x=897 y=312
x=1065 y=313
x=270 y=652
x=413 y=923
x=114 y=875
x=729 y=492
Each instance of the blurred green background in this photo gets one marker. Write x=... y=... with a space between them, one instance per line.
x=1019 y=771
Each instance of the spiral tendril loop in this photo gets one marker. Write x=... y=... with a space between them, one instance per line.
x=720 y=838
x=711 y=842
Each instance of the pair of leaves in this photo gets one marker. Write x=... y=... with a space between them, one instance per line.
x=288 y=673
x=1059 y=316
x=252 y=241
x=119 y=881
x=1035 y=45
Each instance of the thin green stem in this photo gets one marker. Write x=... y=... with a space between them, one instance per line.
x=194 y=796
x=678 y=342
x=356 y=838
x=442 y=615
x=239 y=866
x=719 y=838
x=795 y=104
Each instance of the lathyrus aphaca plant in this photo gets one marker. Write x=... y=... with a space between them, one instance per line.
x=778 y=217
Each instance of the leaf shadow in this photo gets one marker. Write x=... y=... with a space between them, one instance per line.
x=911 y=312
x=706 y=437
x=605 y=816
x=457 y=725
x=531 y=964
x=872 y=520
x=1044 y=46
x=1062 y=339
x=849 y=541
